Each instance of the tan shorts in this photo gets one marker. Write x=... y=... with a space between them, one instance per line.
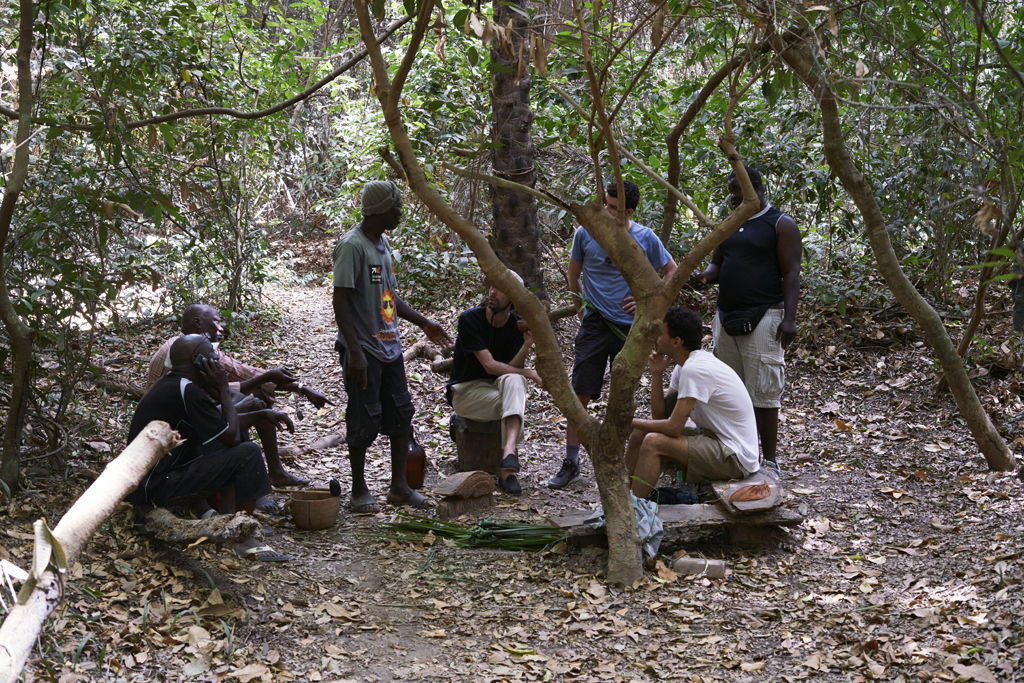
x=756 y=357
x=484 y=400
x=710 y=459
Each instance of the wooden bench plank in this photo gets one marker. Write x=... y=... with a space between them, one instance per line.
x=706 y=515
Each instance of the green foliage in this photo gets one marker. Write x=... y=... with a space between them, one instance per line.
x=126 y=218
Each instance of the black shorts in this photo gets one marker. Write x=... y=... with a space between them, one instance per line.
x=596 y=345
x=215 y=468
x=383 y=407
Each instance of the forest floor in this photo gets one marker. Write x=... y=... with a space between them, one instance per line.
x=909 y=565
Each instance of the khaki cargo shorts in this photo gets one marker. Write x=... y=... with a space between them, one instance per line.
x=710 y=459
x=757 y=358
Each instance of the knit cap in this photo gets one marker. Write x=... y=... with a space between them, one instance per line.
x=378 y=196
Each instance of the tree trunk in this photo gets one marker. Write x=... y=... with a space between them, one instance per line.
x=797 y=52
x=671 y=201
x=23 y=624
x=22 y=336
x=516 y=234
x=653 y=295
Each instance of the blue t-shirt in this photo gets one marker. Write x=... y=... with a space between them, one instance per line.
x=603 y=286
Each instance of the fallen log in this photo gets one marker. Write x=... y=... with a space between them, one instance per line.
x=422 y=349
x=292 y=451
x=445 y=365
x=219 y=528
x=103 y=382
x=23 y=624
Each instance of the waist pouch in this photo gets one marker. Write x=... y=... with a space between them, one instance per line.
x=743 y=321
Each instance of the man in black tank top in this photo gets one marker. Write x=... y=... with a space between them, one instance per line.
x=757 y=270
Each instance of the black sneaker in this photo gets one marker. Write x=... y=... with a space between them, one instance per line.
x=510 y=485
x=569 y=471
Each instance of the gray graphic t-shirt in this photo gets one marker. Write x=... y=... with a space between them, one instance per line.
x=366 y=268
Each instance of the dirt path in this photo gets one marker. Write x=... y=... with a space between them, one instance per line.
x=908 y=568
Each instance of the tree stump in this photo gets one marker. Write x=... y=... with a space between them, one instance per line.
x=477 y=444
x=463 y=493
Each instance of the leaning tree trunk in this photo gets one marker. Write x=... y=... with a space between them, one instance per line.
x=795 y=49
x=22 y=336
x=23 y=624
x=516 y=237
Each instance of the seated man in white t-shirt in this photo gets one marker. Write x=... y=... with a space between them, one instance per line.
x=702 y=388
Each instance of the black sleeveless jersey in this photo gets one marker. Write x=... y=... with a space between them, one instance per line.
x=750 y=274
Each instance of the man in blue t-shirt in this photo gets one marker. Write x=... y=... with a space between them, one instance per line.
x=608 y=315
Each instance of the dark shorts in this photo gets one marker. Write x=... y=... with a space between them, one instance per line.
x=383 y=407
x=215 y=468
x=596 y=345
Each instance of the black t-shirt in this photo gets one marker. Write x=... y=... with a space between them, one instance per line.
x=188 y=409
x=476 y=334
x=750 y=275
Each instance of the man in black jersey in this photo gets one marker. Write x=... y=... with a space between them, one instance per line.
x=757 y=270
x=488 y=378
x=213 y=457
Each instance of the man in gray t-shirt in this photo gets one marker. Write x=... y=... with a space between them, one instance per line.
x=367 y=308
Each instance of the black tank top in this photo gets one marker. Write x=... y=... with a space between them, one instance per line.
x=750 y=275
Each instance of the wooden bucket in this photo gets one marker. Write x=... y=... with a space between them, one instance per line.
x=314 y=509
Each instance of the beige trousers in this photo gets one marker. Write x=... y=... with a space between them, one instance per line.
x=484 y=401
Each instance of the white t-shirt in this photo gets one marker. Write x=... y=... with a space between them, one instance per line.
x=722 y=404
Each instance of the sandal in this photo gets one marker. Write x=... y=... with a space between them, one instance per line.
x=364 y=504
x=268 y=505
x=264 y=553
x=416 y=500
x=294 y=481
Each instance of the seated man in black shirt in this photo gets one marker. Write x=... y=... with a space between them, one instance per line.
x=488 y=378
x=213 y=458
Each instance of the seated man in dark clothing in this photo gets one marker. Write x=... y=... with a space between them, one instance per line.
x=205 y=320
x=213 y=458
x=488 y=378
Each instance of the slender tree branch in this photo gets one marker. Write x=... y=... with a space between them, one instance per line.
x=673 y=143
x=398 y=82
x=502 y=182
x=995 y=42
x=21 y=335
x=646 y=64
x=550 y=364
x=618 y=48
x=391 y=161
x=224 y=111
x=602 y=116
x=701 y=218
